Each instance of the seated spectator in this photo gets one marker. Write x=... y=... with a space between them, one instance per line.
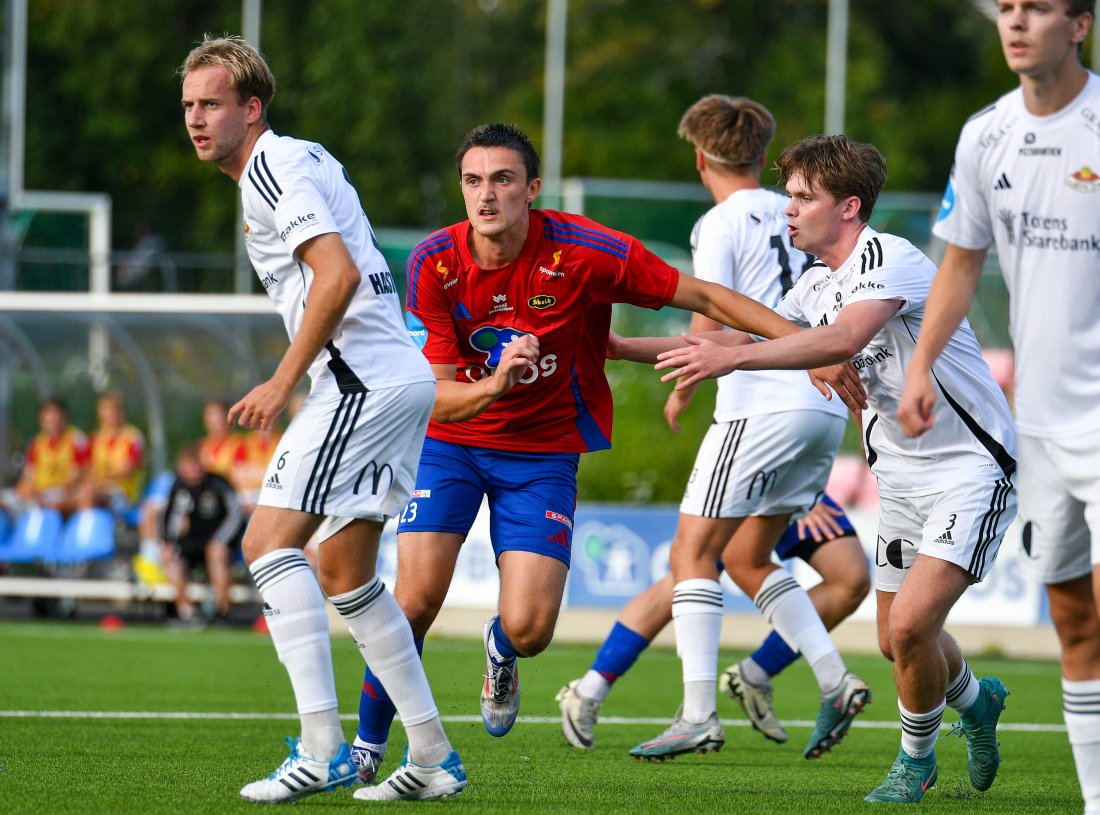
x=218 y=448
x=56 y=463
x=201 y=519
x=117 y=459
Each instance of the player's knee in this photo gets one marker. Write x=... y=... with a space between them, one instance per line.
x=531 y=640
x=906 y=633
x=884 y=646
x=854 y=591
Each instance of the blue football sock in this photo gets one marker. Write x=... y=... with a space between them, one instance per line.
x=774 y=654
x=618 y=652
x=376 y=711
x=501 y=644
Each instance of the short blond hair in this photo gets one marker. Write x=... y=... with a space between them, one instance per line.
x=730 y=130
x=247 y=68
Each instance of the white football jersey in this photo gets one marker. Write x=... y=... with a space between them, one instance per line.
x=972 y=437
x=1031 y=184
x=294 y=190
x=742 y=244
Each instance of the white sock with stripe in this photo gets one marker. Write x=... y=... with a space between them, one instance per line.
x=294 y=608
x=385 y=640
x=919 y=731
x=788 y=609
x=1081 y=709
x=697 y=617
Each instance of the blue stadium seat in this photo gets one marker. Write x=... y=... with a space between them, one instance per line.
x=5 y=528
x=88 y=535
x=36 y=536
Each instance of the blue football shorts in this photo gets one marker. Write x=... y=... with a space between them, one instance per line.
x=532 y=496
x=792 y=546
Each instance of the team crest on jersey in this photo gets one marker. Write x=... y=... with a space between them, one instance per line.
x=542 y=301
x=1084 y=180
x=248 y=233
x=492 y=341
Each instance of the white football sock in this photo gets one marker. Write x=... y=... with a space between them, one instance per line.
x=294 y=608
x=752 y=673
x=919 y=731
x=1081 y=709
x=697 y=617
x=788 y=609
x=593 y=686
x=385 y=640
x=963 y=690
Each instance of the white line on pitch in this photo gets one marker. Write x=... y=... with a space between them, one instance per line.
x=608 y=720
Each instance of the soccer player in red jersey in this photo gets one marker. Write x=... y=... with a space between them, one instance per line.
x=512 y=308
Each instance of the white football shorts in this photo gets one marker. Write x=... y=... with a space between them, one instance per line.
x=772 y=464
x=1059 y=505
x=964 y=525
x=351 y=455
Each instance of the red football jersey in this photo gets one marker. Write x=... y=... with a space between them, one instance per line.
x=560 y=289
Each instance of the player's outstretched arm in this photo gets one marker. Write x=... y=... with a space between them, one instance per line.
x=647 y=349
x=811 y=348
x=459 y=401
x=729 y=308
x=949 y=299
x=335 y=279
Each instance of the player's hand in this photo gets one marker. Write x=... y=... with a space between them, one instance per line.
x=517 y=356
x=918 y=398
x=676 y=404
x=700 y=359
x=843 y=379
x=820 y=523
x=263 y=404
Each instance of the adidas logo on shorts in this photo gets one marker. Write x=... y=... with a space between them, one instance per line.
x=945 y=539
x=273 y=483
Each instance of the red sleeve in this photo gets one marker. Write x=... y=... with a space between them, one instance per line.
x=431 y=265
x=645 y=280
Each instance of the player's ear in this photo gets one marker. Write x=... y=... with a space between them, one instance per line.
x=852 y=207
x=533 y=189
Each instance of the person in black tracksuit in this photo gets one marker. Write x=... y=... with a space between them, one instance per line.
x=201 y=519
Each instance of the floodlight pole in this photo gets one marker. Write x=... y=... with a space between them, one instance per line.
x=553 y=116
x=251 y=16
x=836 y=66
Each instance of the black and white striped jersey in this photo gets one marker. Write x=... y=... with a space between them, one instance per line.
x=292 y=191
x=973 y=437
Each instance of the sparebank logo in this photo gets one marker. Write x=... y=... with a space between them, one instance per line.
x=492 y=341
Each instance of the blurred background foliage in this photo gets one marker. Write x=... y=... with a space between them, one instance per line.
x=391 y=86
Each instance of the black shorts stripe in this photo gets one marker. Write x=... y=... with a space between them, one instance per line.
x=350 y=404
x=312 y=500
x=357 y=402
x=987 y=531
x=723 y=467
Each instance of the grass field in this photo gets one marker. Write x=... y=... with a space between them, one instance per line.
x=149 y=720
